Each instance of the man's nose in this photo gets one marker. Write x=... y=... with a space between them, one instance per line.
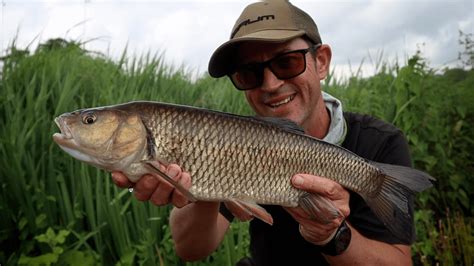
x=270 y=81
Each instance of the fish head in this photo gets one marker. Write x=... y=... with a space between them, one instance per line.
x=105 y=137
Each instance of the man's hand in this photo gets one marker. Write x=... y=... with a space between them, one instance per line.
x=311 y=230
x=155 y=189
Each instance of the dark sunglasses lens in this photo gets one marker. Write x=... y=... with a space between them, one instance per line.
x=289 y=65
x=285 y=66
x=246 y=78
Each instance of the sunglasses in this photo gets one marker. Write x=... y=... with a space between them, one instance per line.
x=284 y=66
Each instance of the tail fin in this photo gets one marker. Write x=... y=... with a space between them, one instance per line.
x=391 y=203
x=413 y=179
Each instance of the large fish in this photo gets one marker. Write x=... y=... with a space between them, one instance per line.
x=242 y=160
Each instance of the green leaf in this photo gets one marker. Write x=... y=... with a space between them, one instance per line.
x=51 y=198
x=62 y=235
x=58 y=250
x=455 y=181
x=128 y=258
x=23 y=222
x=458 y=126
x=46 y=237
x=463 y=198
x=40 y=221
x=79 y=258
x=46 y=259
x=51 y=238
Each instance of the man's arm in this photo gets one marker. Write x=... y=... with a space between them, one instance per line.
x=361 y=250
x=365 y=251
x=196 y=228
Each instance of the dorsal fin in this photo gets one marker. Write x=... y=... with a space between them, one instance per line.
x=282 y=123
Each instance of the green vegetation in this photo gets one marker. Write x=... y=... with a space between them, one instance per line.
x=56 y=210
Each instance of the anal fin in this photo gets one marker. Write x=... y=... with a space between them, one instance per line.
x=319 y=208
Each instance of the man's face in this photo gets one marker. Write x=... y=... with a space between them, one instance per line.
x=296 y=99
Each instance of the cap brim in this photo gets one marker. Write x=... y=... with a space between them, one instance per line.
x=221 y=62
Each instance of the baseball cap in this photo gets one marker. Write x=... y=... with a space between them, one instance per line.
x=270 y=21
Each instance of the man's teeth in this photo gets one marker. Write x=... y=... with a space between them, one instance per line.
x=287 y=100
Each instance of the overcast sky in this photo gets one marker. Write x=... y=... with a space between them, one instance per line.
x=189 y=31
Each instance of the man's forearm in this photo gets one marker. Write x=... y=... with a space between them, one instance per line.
x=197 y=229
x=365 y=251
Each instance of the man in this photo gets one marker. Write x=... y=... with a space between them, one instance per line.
x=276 y=56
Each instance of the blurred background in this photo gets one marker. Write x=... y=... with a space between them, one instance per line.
x=187 y=32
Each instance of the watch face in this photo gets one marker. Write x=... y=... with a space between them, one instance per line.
x=340 y=242
x=342 y=239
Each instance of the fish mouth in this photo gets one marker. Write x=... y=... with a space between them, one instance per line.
x=64 y=135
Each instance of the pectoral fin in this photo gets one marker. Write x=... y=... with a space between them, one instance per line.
x=155 y=169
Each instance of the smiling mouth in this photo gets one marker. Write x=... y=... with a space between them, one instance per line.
x=282 y=102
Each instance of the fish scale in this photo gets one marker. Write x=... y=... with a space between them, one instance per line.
x=248 y=168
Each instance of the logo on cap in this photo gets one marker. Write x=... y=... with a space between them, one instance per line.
x=248 y=21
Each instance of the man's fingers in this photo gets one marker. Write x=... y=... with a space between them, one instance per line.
x=155 y=188
x=121 y=180
x=178 y=199
x=302 y=217
x=185 y=180
x=327 y=188
x=310 y=228
x=319 y=185
x=317 y=235
x=162 y=195
x=145 y=186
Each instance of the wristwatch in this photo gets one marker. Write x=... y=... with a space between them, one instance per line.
x=339 y=242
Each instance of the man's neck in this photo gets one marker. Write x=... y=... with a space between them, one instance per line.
x=320 y=125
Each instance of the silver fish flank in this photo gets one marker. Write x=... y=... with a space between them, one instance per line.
x=238 y=159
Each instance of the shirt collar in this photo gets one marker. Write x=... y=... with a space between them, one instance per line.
x=338 y=128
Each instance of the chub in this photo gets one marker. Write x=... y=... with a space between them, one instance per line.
x=243 y=160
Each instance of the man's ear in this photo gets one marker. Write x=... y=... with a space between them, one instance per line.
x=323 y=60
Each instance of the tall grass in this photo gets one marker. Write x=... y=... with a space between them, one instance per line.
x=435 y=111
x=56 y=210
x=43 y=188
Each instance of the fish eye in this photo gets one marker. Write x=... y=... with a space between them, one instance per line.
x=89 y=118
